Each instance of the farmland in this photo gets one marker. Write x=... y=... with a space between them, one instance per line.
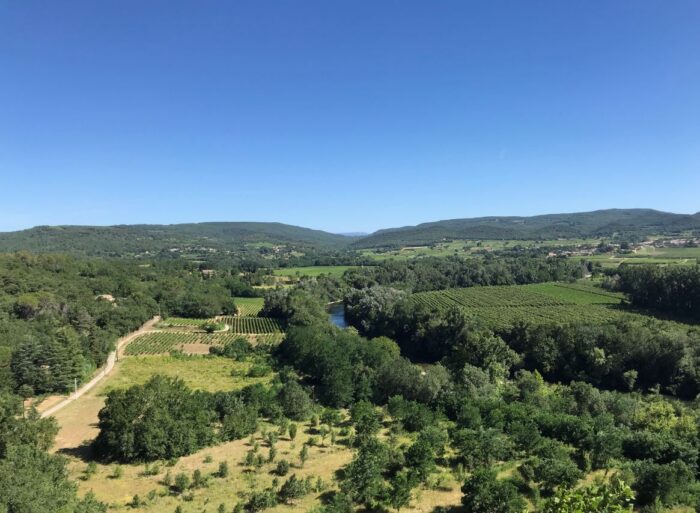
x=199 y=372
x=501 y=306
x=247 y=325
x=161 y=342
x=331 y=270
x=249 y=306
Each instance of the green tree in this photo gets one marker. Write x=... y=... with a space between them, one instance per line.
x=613 y=497
x=484 y=493
x=363 y=477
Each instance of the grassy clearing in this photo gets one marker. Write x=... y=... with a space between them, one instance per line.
x=323 y=461
x=199 y=372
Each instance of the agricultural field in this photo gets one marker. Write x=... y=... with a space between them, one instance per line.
x=199 y=372
x=294 y=272
x=249 y=306
x=249 y=325
x=467 y=248
x=163 y=342
x=183 y=321
x=501 y=306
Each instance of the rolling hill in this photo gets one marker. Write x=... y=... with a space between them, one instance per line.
x=599 y=223
x=139 y=239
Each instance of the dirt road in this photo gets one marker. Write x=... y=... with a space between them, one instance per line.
x=109 y=365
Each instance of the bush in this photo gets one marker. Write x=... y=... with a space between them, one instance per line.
x=282 y=468
x=292 y=488
x=295 y=401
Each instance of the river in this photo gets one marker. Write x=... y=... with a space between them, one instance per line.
x=336 y=313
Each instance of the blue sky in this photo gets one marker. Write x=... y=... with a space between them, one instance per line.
x=345 y=115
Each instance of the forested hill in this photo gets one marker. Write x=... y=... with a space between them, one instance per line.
x=136 y=239
x=625 y=222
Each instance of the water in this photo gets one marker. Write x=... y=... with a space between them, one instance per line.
x=336 y=313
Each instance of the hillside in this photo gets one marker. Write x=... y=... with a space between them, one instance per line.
x=138 y=239
x=638 y=222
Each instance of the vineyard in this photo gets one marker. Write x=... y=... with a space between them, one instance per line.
x=162 y=342
x=579 y=293
x=502 y=306
x=246 y=325
x=182 y=321
x=249 y=306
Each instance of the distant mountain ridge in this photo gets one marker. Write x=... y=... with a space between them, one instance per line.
x=141 y=238
x=119 y=240
x=599 y=223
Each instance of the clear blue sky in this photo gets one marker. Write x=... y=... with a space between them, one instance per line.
x=345 y=115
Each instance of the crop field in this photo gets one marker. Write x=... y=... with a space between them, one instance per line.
x=163 y=342
x=160 y=342
x=249 y=306
x=199 y=372
x=502 y=306
x=579 y=293
x=332 y=270
x=246 y=325
x=182 y=321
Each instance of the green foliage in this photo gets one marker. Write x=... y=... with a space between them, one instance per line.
x=240 y=420
x=282 y=468
x=484 y=493
x=292 y=489
x=294 y=401
x=363 y=480
x=159 y=420
x=613 y=497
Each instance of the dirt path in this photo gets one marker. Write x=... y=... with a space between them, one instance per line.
x=109 y=365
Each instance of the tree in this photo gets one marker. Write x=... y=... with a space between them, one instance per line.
x=366 y=419
x=484 y=493
x=292 y=489
x=303 y=455
x=295 y=401
x=33 y=481
x=182 y=482
x=282 y=468
x=241 y=421
x=399 y=493
x=613 y=497
x=161 y=419
x=363 y=477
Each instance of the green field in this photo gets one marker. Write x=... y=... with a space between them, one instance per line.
x=164 y=342
x=249 y=306
x=502 y=306
x=248 y=325
x=467 y=248
x=294 y=272
x=199 y=372
x=182 y=321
